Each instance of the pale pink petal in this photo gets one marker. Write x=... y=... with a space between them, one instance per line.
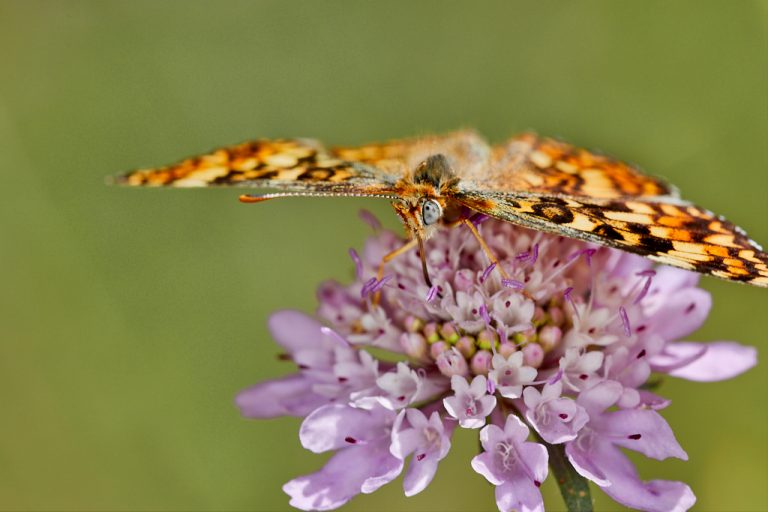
x=626 y=487
x=642 y=430
x=653 y=401
x=419 y=475
x=600 y=396
x=287 y=396
x=483 y=464
x=718 y=360
x=294 y=330
x=351 y=471
x=519 y=496
x=337 y=426
x=580 y=454
x=683 y=313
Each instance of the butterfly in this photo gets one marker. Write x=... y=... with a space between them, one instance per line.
x=536 y=182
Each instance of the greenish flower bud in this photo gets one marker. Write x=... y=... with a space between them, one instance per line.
x=449 y=333
x=413 y=323
x=466 y=346
x=487 y=339
x=430 y=332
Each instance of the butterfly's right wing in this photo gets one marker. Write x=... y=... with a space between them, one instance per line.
x=664 y=229
x=529 y=163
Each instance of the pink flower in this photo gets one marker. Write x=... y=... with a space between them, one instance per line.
x=363 y=462
x=427 y=439
x=565 y=341
x=595 y=452
x=471 y=403
x=517 y=468
x=556 y=418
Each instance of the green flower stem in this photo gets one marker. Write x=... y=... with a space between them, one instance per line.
x=573 y=486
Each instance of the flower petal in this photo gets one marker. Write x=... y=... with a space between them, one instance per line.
x=287 y=396
x=600 y=396
x=419 y=475
x=294 y=330
x=642 y=430
x=717 y=361
x=580 y=455
x=625 y=486
x=683 y=313
x=520 y=495
x=351 y=471
x=337 y=426
x=484 y=465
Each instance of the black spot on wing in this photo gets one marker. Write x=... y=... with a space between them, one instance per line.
x=609 y=232
x=656 y=244
x=553 y=212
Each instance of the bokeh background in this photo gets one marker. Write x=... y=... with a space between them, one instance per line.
x=130 y=318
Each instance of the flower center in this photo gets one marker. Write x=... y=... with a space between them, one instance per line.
x=507 y=455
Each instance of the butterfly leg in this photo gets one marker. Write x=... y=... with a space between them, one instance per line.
x=487 y=250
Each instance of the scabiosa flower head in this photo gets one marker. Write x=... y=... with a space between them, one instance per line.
x=558 y=337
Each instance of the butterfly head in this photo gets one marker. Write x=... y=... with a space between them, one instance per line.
x=424 y=196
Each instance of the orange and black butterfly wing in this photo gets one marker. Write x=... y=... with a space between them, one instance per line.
x=301 y=165
x=530 y=163
x=666 y=230
x=304 y=165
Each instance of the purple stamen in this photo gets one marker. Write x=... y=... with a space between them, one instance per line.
x=567 y=296
x=358 y=263
x=511 y=283
x=523 y=256
x=369 y=219
x=431 y=294
x=587 y=253
x=484 y=314
x=487 y=272
x=380 y=284
x=535 y=254
x=502 y=332
x=367 y=287
x=420 y=457
x=648 y=274
x=625 y=321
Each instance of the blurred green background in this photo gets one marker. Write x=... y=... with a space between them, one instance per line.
x=130 y=318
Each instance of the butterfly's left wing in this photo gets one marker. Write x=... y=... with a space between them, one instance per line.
x=298 y=165
x=306 y=166
x=663 y=229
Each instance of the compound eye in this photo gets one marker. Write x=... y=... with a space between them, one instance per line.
x=431 y=211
